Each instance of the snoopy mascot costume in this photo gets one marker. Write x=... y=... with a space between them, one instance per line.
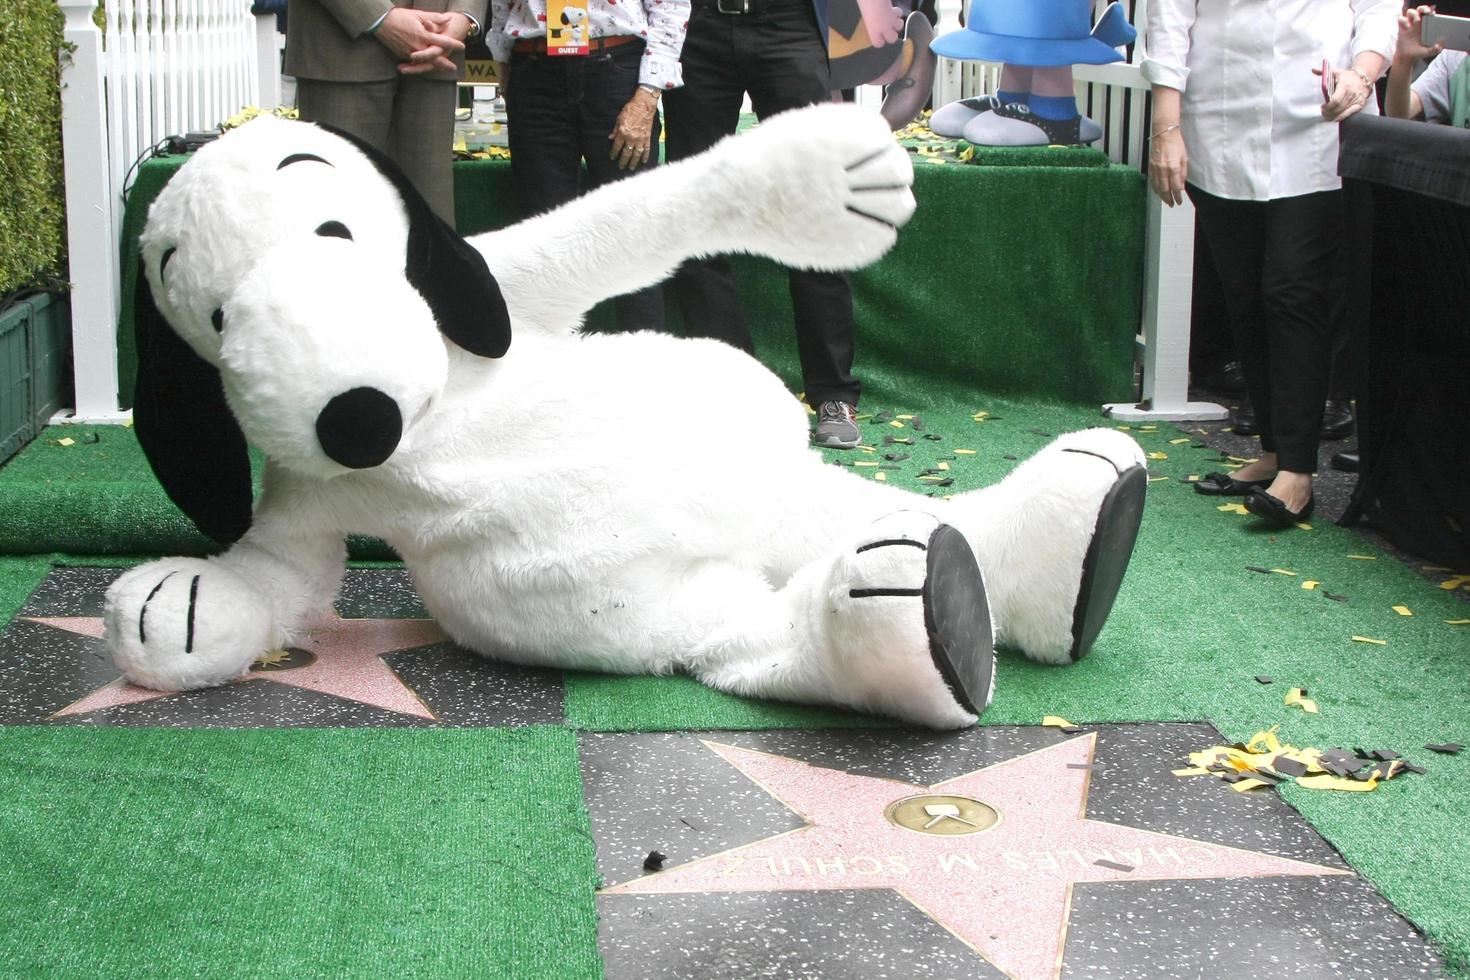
x=407 y=383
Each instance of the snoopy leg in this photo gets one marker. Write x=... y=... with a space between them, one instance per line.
x=895 y=622
x=1054 y=539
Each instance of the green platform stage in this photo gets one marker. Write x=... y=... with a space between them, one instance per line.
x=1020 y=274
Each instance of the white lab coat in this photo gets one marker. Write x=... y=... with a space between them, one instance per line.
x=1251 y=107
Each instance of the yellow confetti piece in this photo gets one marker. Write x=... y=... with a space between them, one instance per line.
x=1241 y=459
x=1056 y=721
x=867 y=449
x=1309 y=584
x=896 y=424
x=1458 y=622
x=964 y=452
x=1434 y=568
x=904 y=417
x=1363 y=557
x=1148 y=428
x=1304 y=525
x=941 y=465
x=1369 y=639
x=1124 y=428
x=1192 y=771
x=66 y=441
x=1264 y=742
x=1403 y=610
x=1295 y=697
x=865 y=462
x=881 y=477
x=1192 y=478
x=1326 y=781
x=1233 y=509
x=1158 y=455
x=1157 y=479
x=1451 y=585
x=1178 y=442
x=1242 y=785
x=1284 y=571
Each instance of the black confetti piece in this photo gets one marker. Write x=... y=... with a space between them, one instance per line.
x=917 y=423
x=1334 y=596
x=1289 y=767
x=1410 y=767
x=932 y=437
x=1258 y=568
x=1039 y=432
x=883 y=416
x=1008 y=456
x=1115 y=865
x=1384 y=755
x=1264 y=678
x=1445 y=748
x=654 y=861
x=895 y=457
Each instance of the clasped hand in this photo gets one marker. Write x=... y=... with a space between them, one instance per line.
x=423 y=41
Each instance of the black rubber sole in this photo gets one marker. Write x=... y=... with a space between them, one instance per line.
x=957 y=617
x=1107 y=556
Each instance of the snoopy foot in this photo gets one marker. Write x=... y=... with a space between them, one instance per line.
x=184 y=623
x=911 y=626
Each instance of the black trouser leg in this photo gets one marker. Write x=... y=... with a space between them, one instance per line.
x=1276 y=261
x=560 y=111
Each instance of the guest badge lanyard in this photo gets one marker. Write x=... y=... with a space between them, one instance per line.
x=568 y=25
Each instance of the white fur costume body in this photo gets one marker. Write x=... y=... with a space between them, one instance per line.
x=562 y=505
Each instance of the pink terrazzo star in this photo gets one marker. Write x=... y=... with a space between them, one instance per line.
x=1005 y=891
x=348 y=664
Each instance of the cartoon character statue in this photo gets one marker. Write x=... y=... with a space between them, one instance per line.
x=883 y=42
x=1038 y=42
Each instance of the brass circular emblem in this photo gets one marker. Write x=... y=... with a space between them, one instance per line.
x=944 y=816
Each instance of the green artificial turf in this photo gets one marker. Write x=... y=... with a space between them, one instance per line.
x=294 y=853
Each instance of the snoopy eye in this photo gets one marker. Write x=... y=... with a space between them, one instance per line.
x=333 y=229
x=163 y=262
x=300 y=158
x=218 y=319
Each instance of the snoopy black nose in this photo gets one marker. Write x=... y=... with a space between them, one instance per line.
x=360 y=428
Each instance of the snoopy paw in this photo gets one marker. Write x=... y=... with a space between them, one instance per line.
x=911 y=627
x=185 y=623
x=835 y=184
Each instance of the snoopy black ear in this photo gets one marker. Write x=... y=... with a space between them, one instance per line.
x=447 y=272
x=186 y=429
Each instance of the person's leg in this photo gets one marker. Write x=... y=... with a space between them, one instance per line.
x=541 y=118
x=422 y=137
x=610 y=80
x=698 y=115
x=1303 y=236
x=784 y=60
x=1236 y=232
x=364 y=109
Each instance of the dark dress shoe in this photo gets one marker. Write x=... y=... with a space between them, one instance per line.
x=1274 y=512
x=1225 y=485
x=1337 y=420
x=1228 y=379
x=1243 y=419
x=1347 y=462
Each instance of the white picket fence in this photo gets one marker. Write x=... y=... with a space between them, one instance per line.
x=158 y=68
x=163 y=68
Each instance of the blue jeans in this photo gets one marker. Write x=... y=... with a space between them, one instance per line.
x=560 y=110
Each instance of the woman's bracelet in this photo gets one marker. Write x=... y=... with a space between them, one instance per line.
x=1363 y=75
x=1160 y=132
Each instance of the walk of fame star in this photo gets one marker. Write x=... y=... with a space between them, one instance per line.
x=992 y=855
x=348 y=664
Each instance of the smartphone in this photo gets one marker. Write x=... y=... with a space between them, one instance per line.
x=1328 y=85
x=1452 y=32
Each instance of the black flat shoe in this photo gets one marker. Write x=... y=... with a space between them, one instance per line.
x=1225 y=485
x=1274 y=512
x=1347 y=462
x=1337 y=420
x=1243 y=420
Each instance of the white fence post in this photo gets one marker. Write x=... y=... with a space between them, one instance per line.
x=267 y=61
x=91 y=234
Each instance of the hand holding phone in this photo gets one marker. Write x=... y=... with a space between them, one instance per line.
x=1445 y=31
x=1329 y=81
